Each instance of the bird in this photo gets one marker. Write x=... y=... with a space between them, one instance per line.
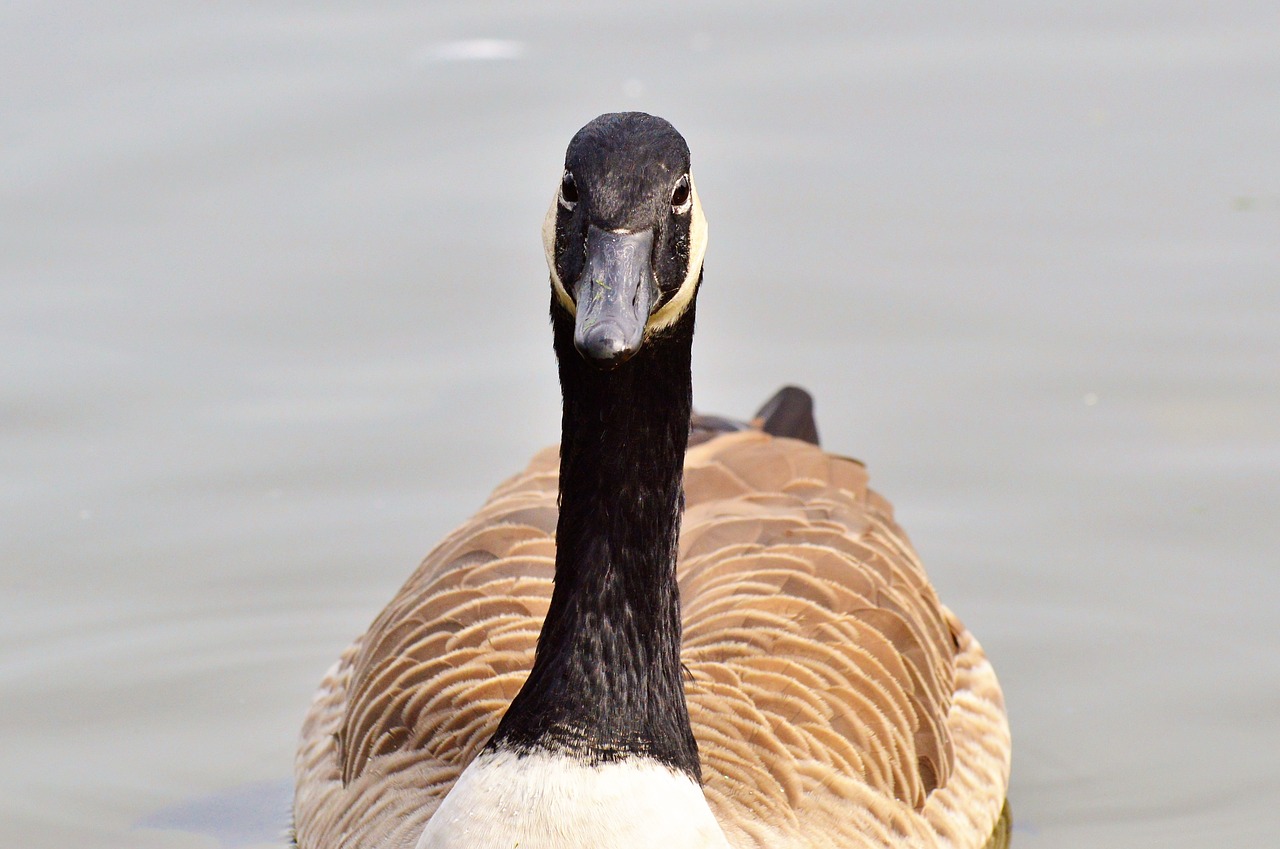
x=672 y=631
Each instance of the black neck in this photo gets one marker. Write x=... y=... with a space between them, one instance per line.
x=606 y=681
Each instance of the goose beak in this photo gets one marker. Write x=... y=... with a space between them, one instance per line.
x=614 y=296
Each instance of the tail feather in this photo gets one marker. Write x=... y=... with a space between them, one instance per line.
x=789 y=413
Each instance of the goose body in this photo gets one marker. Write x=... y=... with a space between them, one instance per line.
x=583 y=664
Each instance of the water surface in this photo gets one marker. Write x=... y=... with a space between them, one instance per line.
x=273 y=311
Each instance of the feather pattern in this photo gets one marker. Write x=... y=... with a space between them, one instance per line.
x=835 y=701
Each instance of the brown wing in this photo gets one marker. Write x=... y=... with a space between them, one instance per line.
x=827 y=678
x=409 y=705
x=828 y=696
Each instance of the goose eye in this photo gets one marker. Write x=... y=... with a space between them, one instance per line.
x=568 y=191
x=680 y=196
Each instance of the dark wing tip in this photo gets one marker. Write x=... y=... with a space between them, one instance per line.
x=789 y=413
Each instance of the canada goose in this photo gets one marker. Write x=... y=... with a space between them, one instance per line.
x=823 y=697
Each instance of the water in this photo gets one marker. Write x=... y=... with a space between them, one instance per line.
x=273 y=320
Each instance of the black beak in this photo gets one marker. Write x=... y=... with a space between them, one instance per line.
x=614 y=296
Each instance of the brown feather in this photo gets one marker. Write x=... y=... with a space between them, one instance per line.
x=835 y=701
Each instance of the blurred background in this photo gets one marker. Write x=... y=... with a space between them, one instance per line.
x=273 y=320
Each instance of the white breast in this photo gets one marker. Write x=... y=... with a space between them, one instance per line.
x=548 y=801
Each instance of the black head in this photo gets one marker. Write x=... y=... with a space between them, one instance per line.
x=625 y=235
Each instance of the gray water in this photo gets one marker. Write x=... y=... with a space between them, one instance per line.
x=273 y=320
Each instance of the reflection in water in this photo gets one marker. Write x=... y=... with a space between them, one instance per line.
x=248 y=815
x=1004 y=830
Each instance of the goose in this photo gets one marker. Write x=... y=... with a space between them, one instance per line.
x=673 y=632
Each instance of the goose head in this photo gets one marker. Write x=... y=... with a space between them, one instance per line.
x=625 y=235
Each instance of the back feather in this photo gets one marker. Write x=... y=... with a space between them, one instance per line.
x=835 y=701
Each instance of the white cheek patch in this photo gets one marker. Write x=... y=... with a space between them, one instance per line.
x=669 y=312
x=549 y=247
